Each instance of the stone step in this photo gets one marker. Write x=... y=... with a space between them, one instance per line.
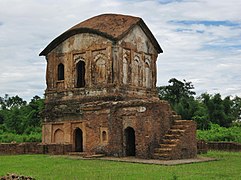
x=170 y=141
x=94 y=156
x=162 y=150
x=176 y=117
x=178 y=126
x=182 y=122
x=162 y=156
x=172 y=136
x=85 y=155
x=167 y=145
x=81 y=154
x=176 y=131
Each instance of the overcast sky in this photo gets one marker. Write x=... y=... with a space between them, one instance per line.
x=201 y=39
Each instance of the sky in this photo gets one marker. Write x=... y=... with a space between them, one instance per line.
x=201 y=40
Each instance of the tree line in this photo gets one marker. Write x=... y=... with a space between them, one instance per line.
x=20 y=120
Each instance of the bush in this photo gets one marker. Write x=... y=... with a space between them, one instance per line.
x=11 y=137
x=217 y=133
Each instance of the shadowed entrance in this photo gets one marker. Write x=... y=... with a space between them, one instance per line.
x=130 y=141
x=78 y=134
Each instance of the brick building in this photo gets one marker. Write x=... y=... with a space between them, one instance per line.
x=101 y=93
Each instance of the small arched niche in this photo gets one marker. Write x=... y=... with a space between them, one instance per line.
x=103 y=135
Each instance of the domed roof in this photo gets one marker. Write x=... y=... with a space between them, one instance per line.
x=111 y=26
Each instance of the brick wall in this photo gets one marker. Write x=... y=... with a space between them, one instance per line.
x=202 y=147
x=34 y=148
x=225 y=146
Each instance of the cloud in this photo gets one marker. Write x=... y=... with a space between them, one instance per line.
x=169 y=1
x=206 y=23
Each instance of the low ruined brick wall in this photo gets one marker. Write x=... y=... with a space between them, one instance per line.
x=202 y=147
x=34 y=148
x=224 y=146
x=56 y=149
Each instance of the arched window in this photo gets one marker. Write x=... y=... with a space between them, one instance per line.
x=60 y=71
x=80 y=68
x=104 y=136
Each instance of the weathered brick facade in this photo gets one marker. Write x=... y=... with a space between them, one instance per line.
x=101 y=91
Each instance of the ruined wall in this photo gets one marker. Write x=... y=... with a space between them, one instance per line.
x=103 y=125
x=224 y=146
x=34 y=148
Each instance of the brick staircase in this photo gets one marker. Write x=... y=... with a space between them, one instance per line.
x=172 y=140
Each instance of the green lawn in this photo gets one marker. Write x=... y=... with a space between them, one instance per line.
x=56 y=167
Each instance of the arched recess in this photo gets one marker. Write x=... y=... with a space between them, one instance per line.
x=60 y=72
x=100 y=68
x=125 y=69
x=130 y=148
x=136 y=71
x=147 y=74
x=80 y=74
x=104 y=136
x=58 y=136
x=78 y=140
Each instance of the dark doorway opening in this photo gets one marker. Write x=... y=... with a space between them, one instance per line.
x=60 y=71
x=80 y=67
x=78 y=134
x=130 y=141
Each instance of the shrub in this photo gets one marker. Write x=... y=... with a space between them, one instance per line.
x=217 y=133
x=11 y=137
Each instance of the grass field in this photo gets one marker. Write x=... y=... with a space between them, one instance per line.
x=58 y=167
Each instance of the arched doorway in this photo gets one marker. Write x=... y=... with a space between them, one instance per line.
x=78 y=140
x=80 y=68
x=130 y=141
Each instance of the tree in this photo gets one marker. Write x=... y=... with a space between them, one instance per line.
x=219 y=111
x=176 y=91
x=186 y=107
x=10 y=102
x=18 y=116
x=236 y=108
x=180 y=95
